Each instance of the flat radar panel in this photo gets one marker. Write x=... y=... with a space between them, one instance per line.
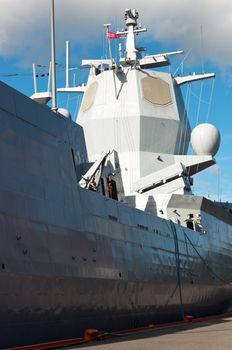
x=156 y=91
x=89 y=96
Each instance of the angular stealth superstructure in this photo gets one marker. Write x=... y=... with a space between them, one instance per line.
x=76 y=250
x=140 y=114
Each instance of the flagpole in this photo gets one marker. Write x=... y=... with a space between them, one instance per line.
x=107 y=26
x=53 y=59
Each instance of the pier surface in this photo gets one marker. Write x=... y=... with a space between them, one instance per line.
x=212 y=334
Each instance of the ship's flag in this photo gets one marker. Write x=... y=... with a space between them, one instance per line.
x=113 y=35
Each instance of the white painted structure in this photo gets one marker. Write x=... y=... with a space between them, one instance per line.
x=141 y=115
x=205 y=139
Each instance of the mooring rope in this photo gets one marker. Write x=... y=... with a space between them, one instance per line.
x=178 y=274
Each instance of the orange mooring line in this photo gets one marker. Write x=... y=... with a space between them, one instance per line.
x=93 y=334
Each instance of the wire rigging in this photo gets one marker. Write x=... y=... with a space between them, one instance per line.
x=40 y=75
x=210 y=101
x=199 y=103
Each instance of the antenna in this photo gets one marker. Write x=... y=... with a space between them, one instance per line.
x=49 y=76
x=67 y=64
x=68 y=88
x=34 y=78
x=53 y=59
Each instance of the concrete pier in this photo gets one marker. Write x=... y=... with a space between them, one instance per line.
x=213 y=334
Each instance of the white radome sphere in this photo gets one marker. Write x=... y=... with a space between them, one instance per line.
x=205 y=139
x=65 y=112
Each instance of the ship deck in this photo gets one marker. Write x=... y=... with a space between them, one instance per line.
x=213 y=334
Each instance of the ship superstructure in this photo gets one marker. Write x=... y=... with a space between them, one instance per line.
x=99 y=226
x=140 y=113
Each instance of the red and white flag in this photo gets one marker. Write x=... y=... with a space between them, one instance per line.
x=112 y=35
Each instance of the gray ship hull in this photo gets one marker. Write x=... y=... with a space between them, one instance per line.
x=72 y=259
x=67 y=316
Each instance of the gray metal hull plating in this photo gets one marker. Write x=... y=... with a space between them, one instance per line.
x=71 y=259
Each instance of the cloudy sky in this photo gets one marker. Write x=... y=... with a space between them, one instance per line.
x=190 y=23
x=205 y=26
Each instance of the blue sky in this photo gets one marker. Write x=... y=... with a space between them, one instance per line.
x=202 y=26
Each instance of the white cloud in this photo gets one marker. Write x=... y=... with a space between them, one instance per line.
x=24 y=24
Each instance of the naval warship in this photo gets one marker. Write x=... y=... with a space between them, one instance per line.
x=99 y=227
